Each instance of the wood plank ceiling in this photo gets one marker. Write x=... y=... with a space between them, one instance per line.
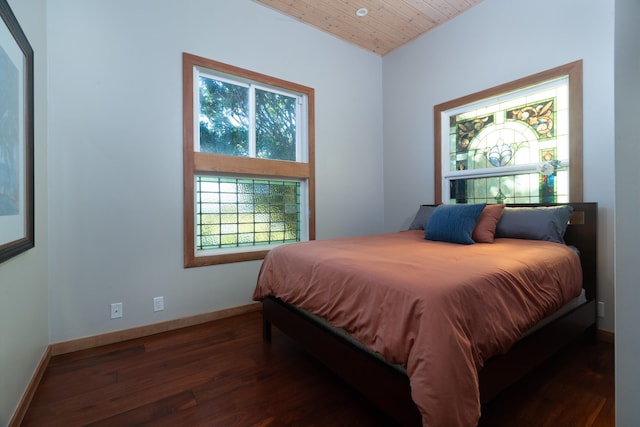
x=387 y=25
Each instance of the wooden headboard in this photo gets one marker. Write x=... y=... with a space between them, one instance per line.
x=582 y=233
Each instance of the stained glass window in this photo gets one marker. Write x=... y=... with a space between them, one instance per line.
x=513 y=148
x=232 y=212
x=519 y=142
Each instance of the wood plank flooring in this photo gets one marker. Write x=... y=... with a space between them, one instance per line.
x=222 y=374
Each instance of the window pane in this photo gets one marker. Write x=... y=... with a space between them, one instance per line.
x=224 y=118
x=519 y=188
x=275 y=126
x=233 y=212
x=506 y=136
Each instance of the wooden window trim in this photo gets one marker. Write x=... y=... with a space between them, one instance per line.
x=205 y=162
x=194 y=163
x=574 y=72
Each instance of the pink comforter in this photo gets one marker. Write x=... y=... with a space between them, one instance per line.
x=438 y=309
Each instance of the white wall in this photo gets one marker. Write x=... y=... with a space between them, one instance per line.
x=627 y=231
x=115 y=149
x=496 y=42
x=23 y=279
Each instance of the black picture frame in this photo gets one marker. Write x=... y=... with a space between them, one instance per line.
x=16 y=138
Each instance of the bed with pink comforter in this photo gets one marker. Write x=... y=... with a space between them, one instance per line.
x=438 y=309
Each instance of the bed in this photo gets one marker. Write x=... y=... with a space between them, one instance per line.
x=432 y=356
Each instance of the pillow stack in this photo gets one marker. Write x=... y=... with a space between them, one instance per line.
x=481 y=223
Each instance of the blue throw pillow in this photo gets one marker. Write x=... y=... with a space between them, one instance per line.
x=453 y=223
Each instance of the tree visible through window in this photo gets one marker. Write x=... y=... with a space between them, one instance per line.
x=518 y=143
x=248 y=151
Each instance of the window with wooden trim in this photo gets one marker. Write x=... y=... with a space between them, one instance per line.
x=520 y=142
x=248 y=162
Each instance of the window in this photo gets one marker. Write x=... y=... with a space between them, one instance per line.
x=517 y=143
x=248 y=163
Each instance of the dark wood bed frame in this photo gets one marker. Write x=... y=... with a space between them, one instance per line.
x=388 y=387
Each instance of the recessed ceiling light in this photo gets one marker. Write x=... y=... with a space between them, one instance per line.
x=362 y=12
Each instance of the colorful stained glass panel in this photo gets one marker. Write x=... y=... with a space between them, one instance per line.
x=517 y=138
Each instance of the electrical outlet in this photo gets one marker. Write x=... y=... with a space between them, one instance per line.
x=158 y=304
x=116 y=310
x=600 y=309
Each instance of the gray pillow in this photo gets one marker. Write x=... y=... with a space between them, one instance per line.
x=422 y=217
x=535 y=223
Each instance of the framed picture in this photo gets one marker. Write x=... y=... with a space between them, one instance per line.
x=16 y=137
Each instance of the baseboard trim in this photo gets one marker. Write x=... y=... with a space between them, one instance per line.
x=25 y=401
x=606 y=336
x=143 y=331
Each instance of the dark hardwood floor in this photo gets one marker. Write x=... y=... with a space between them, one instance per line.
x=222 y=374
